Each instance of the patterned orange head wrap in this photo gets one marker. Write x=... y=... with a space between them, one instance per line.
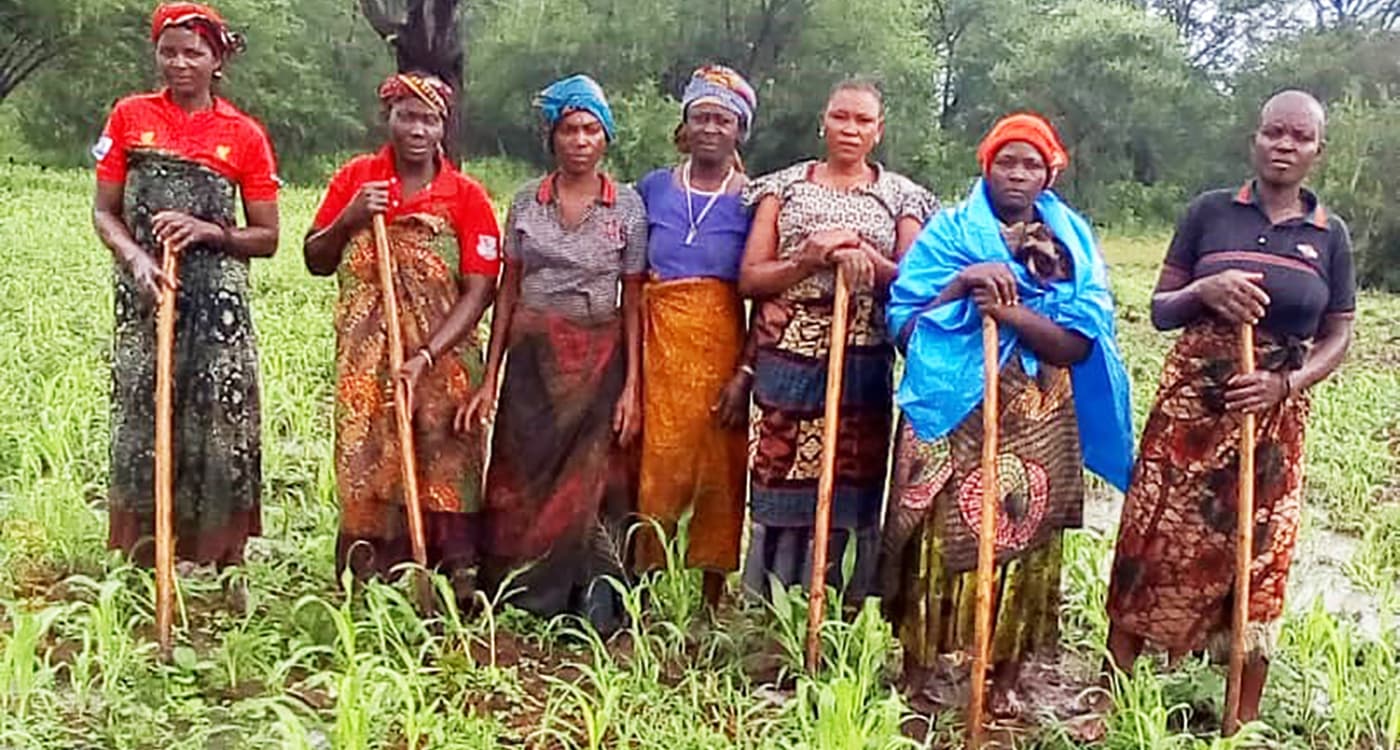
x=201 y=19
x=1030 y=128
x=430 y=90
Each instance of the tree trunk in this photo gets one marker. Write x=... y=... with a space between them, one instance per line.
x=426 y=37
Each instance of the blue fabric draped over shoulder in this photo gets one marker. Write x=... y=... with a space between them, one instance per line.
x=943 y=345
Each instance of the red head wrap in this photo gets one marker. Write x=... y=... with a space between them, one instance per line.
x=203 y=20
x=1030 y=128
x=430 y=90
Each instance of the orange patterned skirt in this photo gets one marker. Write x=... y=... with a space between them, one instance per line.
x=373 y=527
x=690 y=462
x=1173 y=571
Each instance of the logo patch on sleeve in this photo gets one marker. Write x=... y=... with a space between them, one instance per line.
x=487 y=247
x=102 y=148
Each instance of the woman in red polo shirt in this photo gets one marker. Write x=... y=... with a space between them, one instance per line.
x=169 y=165
x=444 y=241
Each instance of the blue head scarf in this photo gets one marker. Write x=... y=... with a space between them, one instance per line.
x=943 y=362
x=577 y=93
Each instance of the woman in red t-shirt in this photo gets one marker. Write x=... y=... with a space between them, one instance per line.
x=169 y=165
x=444 y=241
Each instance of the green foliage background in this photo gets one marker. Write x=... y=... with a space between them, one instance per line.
x=1150 y=117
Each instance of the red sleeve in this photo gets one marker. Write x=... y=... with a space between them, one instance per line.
x=259 y=181
x=341 y=191
x=478 y=234
x=110 y=149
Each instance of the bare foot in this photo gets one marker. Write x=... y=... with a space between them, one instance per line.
x=236 y=595
x=1091 y=725
x=1005 y=703
x=1087 y=729
x=464 y=589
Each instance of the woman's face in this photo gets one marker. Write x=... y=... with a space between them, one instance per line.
x=1287 y=143
x=186 y=61
x=579 y=143
x=712 y=131
x=1016 y=177
x=415 y=130
x=853 y=124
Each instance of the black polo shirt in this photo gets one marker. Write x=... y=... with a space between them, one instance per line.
x=1306 y=261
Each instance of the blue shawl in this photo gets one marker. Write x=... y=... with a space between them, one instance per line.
x=943 y=361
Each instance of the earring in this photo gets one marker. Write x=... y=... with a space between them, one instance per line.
x=821 y=131
x=218 y=75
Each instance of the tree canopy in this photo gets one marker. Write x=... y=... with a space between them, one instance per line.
x=1155 y=98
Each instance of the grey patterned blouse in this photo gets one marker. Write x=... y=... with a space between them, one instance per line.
x=575 y=271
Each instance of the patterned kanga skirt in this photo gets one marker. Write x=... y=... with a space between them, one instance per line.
x=790 y=394
x=1174 y=567
x=560 y=492
x=929 y=562
x=217 y=449
x=694 y=337
x=374 y=536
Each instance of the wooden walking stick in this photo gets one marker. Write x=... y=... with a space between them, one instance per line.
x=403 y=418
x=1244 y=548
x=826 y=484
x=986 y=530
x=164 y=450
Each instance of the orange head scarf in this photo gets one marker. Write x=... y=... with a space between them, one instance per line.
x=1030 y=128
x=203 y=20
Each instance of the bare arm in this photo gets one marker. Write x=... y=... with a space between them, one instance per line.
x=477 y=291
x=906 y=230
x=1328 y=350
x=732 y=406
x=506 y=296
x=323 y=249
x=482 y=406
x=107 y=207
x=1233 y=295
x=259 y=238
x=762 y=273
x=632 y=327
x=1260 y=390
x=1047 y=339
x=114 y=233
x=627 y=416
x=1174 y=304
x=256 y=240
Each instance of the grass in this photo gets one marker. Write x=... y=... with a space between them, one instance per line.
x=317 y=664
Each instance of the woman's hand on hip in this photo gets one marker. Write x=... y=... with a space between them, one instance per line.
x=179 y=231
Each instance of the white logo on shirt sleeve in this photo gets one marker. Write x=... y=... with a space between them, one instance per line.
x=102 y=148
x=486 y=247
